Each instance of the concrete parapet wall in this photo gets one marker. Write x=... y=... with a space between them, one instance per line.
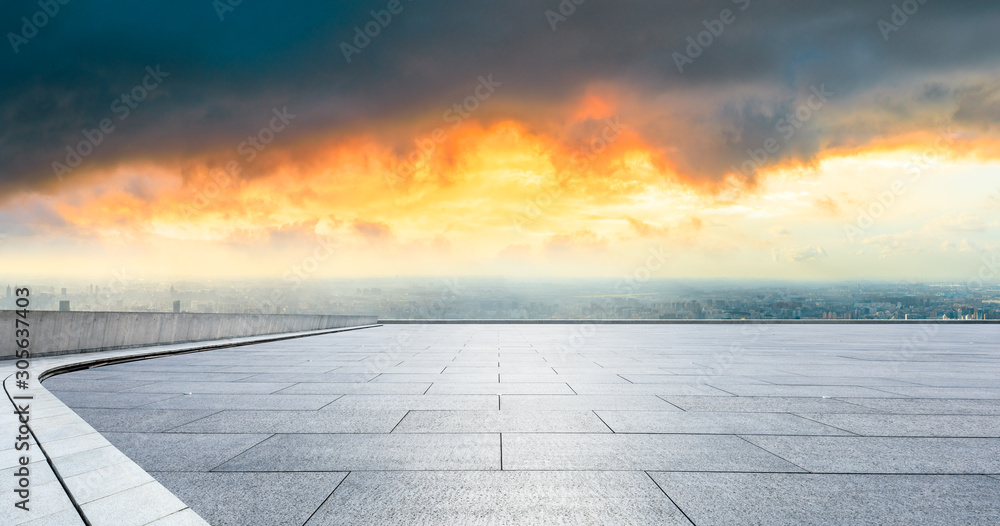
x=54 y=333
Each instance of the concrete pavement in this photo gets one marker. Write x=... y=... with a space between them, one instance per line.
x=502 y=424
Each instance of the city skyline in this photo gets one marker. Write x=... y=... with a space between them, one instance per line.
x=500 y=298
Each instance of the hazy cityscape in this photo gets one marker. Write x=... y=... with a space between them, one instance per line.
x=501 y=298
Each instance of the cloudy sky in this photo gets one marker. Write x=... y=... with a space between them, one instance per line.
x=742 y=138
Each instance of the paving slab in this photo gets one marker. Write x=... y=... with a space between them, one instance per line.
x=496 y=498
x=134 y=507
x=983 y=393
x=958 y=426
x=501 y=422
x=271 y=422
x=65 y=517
x=804 y=499
x=340 y=452
x=341 y=388
x=438 y=378
x=858 y=381
x=235 y=499
x=583 y=402
x=414 y=402
x=140 y=420
x=110 y=400
x=306 y=375
x=714 y=423
x=646 y=389
x=886 y=455
x=228 y=388
x=219 y=402
x=548 y=388
x=767 y=404
x=106 y=481
x=597 y=452
x=182 y=451
x=815 y=391
x=928 y=406
x=423 y=427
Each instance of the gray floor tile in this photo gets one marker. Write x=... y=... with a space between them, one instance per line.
x=370 y=452
x=802 y=499
x=133 y=507
x=583 y=403
x=80 y=399
x=604 y=378
x=636 y=452
x=235 y=499
x=445 y=388
x=436 y=378
x=983 y=393
x=859 y=381
x=886 y=455
x=477 y=497
x=929 y=406
x=816 y=391
x=914 y=425
x=646 y=389
x=745 y=404
x=501 y=422
x=182 y=452
x=249 y=402
x=66 y=517
x=139 y=420
x=105 y=481
x=415 y=402
x=269 y=422
x=356 y=388
x=308 y=376
x=230 y=388
x=713 y=423
x=72 y=383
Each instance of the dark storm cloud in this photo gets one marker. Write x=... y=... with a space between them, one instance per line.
x=225 y=77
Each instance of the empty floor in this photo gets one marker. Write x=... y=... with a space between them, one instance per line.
x=572 y=424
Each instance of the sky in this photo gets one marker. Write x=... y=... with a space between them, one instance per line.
x=753 y=139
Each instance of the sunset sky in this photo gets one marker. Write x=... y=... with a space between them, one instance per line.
x=800 y=140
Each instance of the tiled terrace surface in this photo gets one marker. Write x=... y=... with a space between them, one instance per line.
x=571 y=424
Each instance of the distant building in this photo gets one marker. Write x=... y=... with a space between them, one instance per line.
x=177 y=305
x=64 y=292
x=9 y=291
x=64 y=306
